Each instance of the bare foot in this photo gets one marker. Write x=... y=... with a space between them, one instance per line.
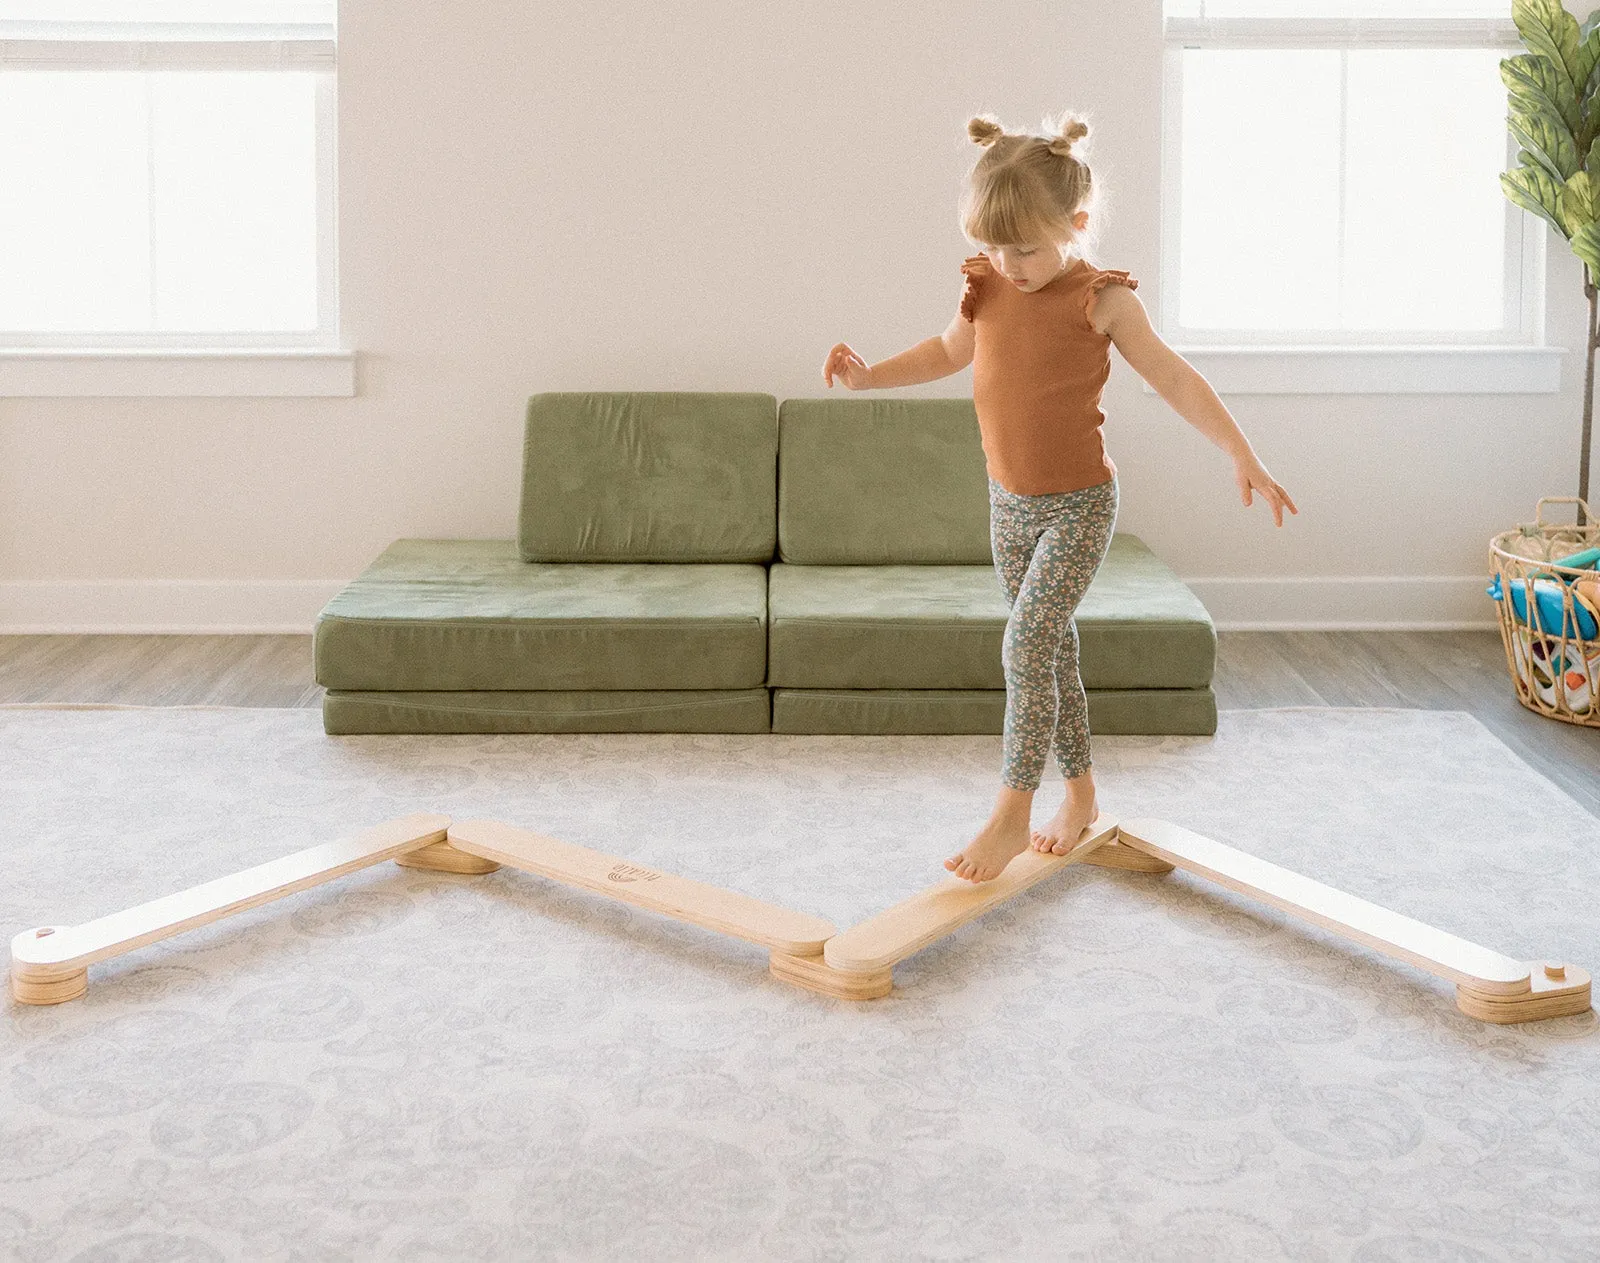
x=997 y=844
x=1063 y=831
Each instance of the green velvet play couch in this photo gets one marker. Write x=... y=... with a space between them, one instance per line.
x=715 y=562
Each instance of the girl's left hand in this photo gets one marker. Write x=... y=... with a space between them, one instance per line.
x=1252 y=475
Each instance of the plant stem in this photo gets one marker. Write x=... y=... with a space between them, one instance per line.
x=1593 y=292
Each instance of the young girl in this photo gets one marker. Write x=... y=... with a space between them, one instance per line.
x=1036 y=322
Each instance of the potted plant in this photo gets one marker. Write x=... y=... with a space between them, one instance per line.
x=1543 y=576
x=1554 y=102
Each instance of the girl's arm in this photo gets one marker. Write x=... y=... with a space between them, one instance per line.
x=1120 y=315
x=949 y=352
x=932 y=358
x=924 y=362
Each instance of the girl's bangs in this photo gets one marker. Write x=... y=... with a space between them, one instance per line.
x=1000 y=222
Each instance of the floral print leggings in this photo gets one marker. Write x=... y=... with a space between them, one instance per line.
x=1046 y=550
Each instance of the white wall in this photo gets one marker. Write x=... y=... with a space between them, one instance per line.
x=618 y=195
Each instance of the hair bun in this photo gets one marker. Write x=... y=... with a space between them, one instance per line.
x=1066 y=131
x=985 y=129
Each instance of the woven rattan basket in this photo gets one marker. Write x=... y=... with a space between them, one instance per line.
x=1550 y=615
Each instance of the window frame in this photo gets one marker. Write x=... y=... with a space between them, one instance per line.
x=1512 y=360
x=152 y=362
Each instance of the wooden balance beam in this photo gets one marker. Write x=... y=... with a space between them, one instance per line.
x=804 y=950
x=1489 y=986
x=50 y=964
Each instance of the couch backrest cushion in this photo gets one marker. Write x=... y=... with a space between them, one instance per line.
x=649 y=476
x=881 y=481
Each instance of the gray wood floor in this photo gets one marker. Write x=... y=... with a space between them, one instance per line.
x=1420 y=670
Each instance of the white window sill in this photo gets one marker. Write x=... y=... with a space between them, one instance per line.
x=30 y=372
x=1372 y=370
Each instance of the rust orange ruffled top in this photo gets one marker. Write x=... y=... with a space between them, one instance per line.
x=1038 y=369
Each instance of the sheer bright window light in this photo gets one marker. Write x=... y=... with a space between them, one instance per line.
x=207 y=12
x=235 y=207
x=1332 y=217
x=1339 y=8
x=168 y=173
x=78 y=194
x=1260 y=189
x=1331 y=200
x=162 y=202
x=1424 y=213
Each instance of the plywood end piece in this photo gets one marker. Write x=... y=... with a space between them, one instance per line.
x=441 y=857
x=881 y=941
x=50 y=964
x=815 y=974
x=682 y=898
x=1118 y=855
x=1555 y=989
x=41 y=985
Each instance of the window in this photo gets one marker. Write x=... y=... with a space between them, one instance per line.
x=1331 y=189
x=169 y=179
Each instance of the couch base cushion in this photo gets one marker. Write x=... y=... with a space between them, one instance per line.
x=666 y=710
x=837 y=711
x=465 y=614
x=942 y=627
x=1155 y=712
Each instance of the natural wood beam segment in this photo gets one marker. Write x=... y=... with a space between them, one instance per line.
x=727 y=912
x=879 y=942
x=1489 y=985
x=50 y=964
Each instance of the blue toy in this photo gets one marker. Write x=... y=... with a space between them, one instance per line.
x=1547 y=597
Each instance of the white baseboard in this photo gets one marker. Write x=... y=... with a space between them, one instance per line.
x=147 y=607
x=290 y=606
x=1349 y=603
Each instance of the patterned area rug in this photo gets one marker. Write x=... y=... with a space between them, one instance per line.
x=414 y=1065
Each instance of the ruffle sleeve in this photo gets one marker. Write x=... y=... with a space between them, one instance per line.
x=974 y=269
x=1100 y=280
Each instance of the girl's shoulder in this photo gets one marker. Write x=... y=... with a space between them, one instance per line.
x=1099 y=277
x=974 y=268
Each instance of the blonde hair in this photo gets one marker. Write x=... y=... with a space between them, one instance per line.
x=1027 y=186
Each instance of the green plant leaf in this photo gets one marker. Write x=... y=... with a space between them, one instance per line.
x=1549 y=30
x=1532 y=189
x=1550 y=143
x=1528 y=158
x=1589 y=69
x=1580 y=203
x=1586 y=245
x=1535 y=83
x=1588 y=53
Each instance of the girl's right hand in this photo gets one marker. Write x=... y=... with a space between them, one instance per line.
x=848 y=367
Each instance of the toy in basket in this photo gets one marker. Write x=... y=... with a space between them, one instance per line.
x=1546 y=581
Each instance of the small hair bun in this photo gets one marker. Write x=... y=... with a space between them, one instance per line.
x=1067 y=130
x=985 y=129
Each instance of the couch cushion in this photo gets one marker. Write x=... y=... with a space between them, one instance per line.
x=649 y=476
x=881 y=481
x=875 y=712
x=942 y=627
x=464 y=614
x=554 y=710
